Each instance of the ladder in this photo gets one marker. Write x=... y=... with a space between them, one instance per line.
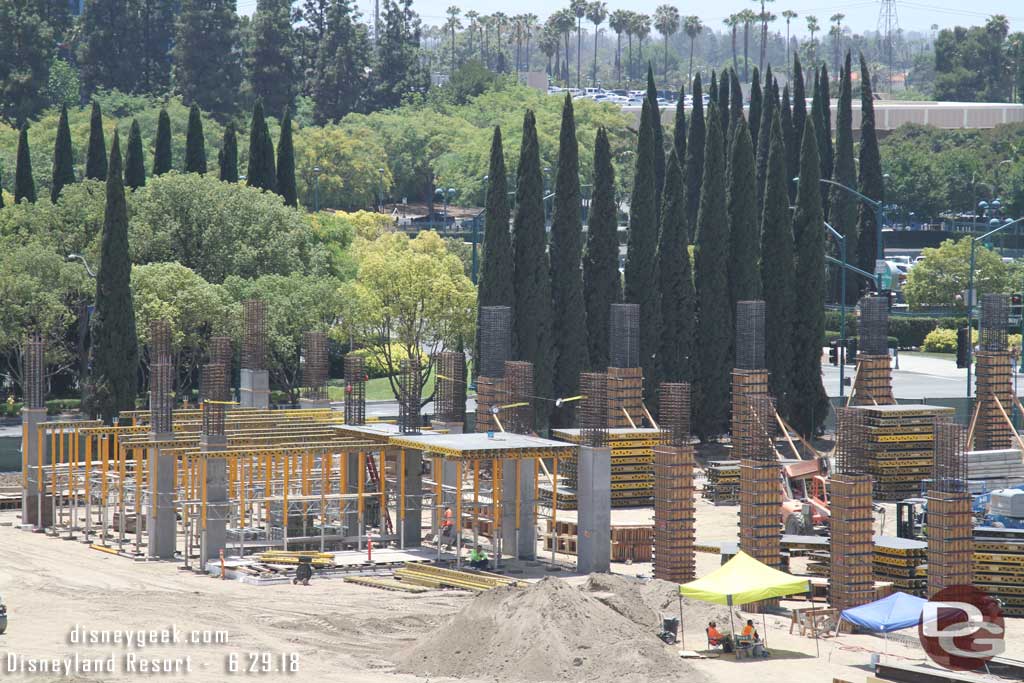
x=385 y=515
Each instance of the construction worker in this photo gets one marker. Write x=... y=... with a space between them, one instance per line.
x=478 y=558
x=749 y=631
x=304 y=572
x=448 y=528
x=716 y=638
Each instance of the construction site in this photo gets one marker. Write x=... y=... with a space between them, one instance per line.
x=447 y=543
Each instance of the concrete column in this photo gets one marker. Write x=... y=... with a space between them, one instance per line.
x=216 y=498
x=161 y=531
x=36 y=508
x=314 y=403
x=413 y=475
x=594 y=509
x=449 y=472
x=254 y=389
x=524 y=543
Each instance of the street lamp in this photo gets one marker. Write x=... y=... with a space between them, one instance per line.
x=970 y=290
x=83 y=317
x=316 y=187
x=80 y=258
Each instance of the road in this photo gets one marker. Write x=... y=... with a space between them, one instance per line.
x=919 y=376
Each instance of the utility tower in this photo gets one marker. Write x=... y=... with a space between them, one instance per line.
x=888 y=27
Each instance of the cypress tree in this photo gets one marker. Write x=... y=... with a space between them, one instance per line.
x=228 y=155
x=134 y=164
x=723 y=103
x=286 y=162
x=601 y=279
x=744 y=236
x=799 y=93
x=767 y=113
x=115 y=348
x=496 y=271
x=641 y=252
x=531 y=272
x=842 y=204
x=714 y=313
x=569 y=322
x=195 y=143
x=24 y=183
x=809 y=406
x=659 y=140
x=754 y=115
x=693 y=171
x=778 y=281
x=735 y=98
x=262 y=173
x=63 y=156
x=823 y=124
x=791 y=141
x=1 y=189
x=162 y=160
x=675 y=279
x=679 y=133
x=96 y=154
x=713 y=88
x=869 y=180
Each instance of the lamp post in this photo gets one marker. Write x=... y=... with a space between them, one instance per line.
x=380 y=190
x=879 y=208
x=83 y=316
x=971 y=296
x=316 y=187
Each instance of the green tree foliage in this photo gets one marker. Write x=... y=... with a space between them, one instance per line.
x=768 y=112
x=778 y=281
x=799 y=93
x=602 y=282
x=115 y=349
x=111 y=45
x=942 y=277
x=271 y=60
x=63 y=85
x=207 y=71
x=744 y=235
x=659 y=141
x=157 y=24
x=339 y=79
x=723 y=100
x=398 y=71
x=496 y=269
x=162 y=158
x=679 y=132
x=63 y=157
x=714 y=336
x=973 y=64
x=24 y=183
x=71 y=226
x=735 y=98
x=227 y=157
x=869 y=180
x=808 y=406
x=469 y=80
x=25 y=53
x=531 y=311
x=756 y=105
x=693 y=171
x=790 y=139
x=134 y=163
x=195 y=143
x=350 y=161
x=96 y=153
x=286 y=162
x=678 y=299
x=842 y=204
x=641 y=274
x=569 y=321
x=261 y=174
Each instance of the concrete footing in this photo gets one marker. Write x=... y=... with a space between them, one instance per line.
x=594 y=509
x=254 y=389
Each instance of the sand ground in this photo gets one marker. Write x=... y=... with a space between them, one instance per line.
x=333 y=629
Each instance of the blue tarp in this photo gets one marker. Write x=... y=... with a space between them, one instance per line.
x=892 y=613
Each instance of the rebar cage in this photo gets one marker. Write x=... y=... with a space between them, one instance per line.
x=949 y=469
x=851 y=456
x=35 y=390
x=409 y=390
x=750 y=335
x=995 y=313
x=313 y=365
x=675 y=413
x=355 y=389
x=254 y=341
x=212 y=388
x=495 y=340
x=161 y=377
x=873 y=328
x=518 y=396
x=450 y=386
x=624 y=335
x=593 y=413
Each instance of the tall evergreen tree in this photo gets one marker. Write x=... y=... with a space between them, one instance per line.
x=63 y=156
x=339 y=77
x=115 y=347
x=823 y=124
x=754 y=115
x=601 y=279
x=134 y=164
x=641 y=251
x=799 y=93
x=679 y=134
x=744 y=235
x=286 y=162
x=271 y=60
x=207 y=70
x=723 y=102
x=843 y=204
x=162 y=160
x=870 y=181
x=157 y=25
x=735 y=98
x=1 y=185
x=26 y=53
x=767 y=113
x=569 y=322
x=195 y=143
x=24 y=183
x=714 y=313
x=110 y=48
x=261 y=174
x=399 y=70
x=228 y=155
x=96 y=153
x=531 y=310
x=678 y=300
x=712 y=87
x=778 y=281
x=659 y=140
x=809 y=405
x=791 y=140
x=693 y=170
x=496 y=271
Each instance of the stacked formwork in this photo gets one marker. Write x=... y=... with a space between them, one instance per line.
x=851 y=523
x=950 y=521
x=873 y=383
x=625 y=377
x=674 y=509
x=760 y=492
x=993 y=377
x=899 y=439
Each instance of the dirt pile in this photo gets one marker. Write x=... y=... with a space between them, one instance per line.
x=644 y=601
x=549 y=631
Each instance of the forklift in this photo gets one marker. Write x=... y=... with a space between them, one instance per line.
x=912 y=518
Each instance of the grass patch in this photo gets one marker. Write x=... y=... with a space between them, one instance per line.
x=376 y=389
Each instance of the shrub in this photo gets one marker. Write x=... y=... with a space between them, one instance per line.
x=376 y=365
x=940 y=340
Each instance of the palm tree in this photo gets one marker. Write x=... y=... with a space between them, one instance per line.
x=597 y=12
x=666 y=21
x=619 y=22
x=452 y=25
x=565 y=20
x=733 y=22
x=812 y=28
x=529 y=27
x=763 y=16
x=472 y=16
x=692 y=27
x=641 y=30
x=579 y=10
x=789 y=15
x=500 y=22
x=485 y=28
x=837 y=37
x=517 y=33
x=748 y=17
x=549 y=45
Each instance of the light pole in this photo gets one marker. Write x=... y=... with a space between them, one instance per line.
x=83 y=317
x=879 y=208
x=971 y=296
x=380 y=190
x=316 y=187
